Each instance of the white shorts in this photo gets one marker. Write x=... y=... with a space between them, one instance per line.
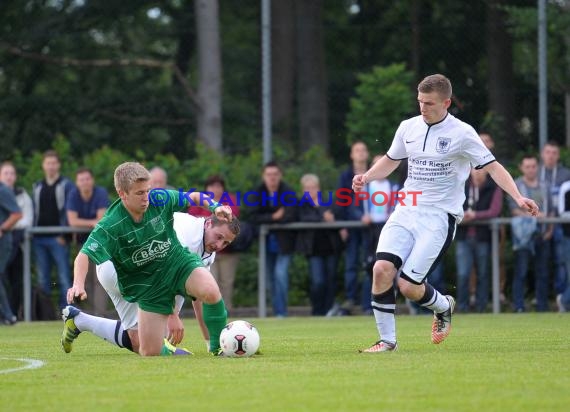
x=418 y=236
x=128 y=312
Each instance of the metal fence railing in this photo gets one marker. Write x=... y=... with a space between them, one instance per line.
x=264 y=230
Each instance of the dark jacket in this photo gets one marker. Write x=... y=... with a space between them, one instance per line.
x=263 y=209
x=317 y=242
x=350 y=212
x=483 y=207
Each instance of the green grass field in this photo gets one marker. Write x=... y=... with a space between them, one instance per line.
x=489 y=363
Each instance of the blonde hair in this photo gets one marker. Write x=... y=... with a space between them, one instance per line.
x=436 y=83
x=310 y=178
x=129 y=173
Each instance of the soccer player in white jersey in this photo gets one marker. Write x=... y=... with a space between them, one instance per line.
x=202 y=236
x=441 y=150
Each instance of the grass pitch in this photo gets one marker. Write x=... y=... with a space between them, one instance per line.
x=503 y=362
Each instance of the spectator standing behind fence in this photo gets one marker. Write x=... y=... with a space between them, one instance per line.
x=10 y=213
x=15 y=267
x=159 y=178
x=357 y=241
x=322 y=247
x=551 y=175
x=49 y=196
x=272 y=204
x=483 y=200
x=85 y=206
x=225 y=266
x=530 y=239
x=563 y=298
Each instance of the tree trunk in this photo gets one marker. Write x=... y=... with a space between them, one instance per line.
x=415 y=55
x=312 y=79
x=282 y=68
x=209 y=115
x=501 y=82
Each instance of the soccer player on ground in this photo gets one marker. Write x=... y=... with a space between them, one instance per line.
x=202 y=236
x=137 y=236
x=440 y=150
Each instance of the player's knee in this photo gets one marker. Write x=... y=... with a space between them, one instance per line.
x=210 y=293
x=409 y=289
x=144 y=351
x=383 y=270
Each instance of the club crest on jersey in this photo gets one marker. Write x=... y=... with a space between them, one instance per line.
x=157 y=224
x=155 y=249
x=93 y=246
x=442 y=144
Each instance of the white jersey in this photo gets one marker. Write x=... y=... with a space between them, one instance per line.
x=190 y=232
x=440 y=157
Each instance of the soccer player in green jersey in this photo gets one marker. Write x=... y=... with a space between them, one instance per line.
x=137 y=235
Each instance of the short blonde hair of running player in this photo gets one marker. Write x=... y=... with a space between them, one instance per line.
x=129 y=173
x=436 y=83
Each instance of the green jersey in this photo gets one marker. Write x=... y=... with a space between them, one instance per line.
x=151 y=264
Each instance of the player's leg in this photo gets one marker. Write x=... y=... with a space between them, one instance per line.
x=122 y=333
x=433 y=233
x=202 y=285
x=151 y=333
x=393 y=247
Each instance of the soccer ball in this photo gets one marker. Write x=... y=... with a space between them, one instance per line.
x=239 y=339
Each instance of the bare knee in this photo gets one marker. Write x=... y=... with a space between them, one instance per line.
x=134 y=337
x=210 y=293
x=144 y=351
x=383 y=271
x=410 y=290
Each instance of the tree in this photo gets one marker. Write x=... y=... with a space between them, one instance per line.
x=209 y=74
x=382 y=99
x=311 y=74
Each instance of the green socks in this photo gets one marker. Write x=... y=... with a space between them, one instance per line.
x=215 y=317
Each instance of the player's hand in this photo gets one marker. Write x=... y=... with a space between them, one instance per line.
x=76 y=293
x=528 y=205
x=175 y=332
x=224 y=213
x=358 y=182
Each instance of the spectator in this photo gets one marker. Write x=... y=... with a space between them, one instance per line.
x=483 y=200
x=321 y=247
x=529 y=238
x=10 y=213
x=86 y=205
x=15 y=267
x=159 y=178
x=225 y=266
x=551 y=175
x=271 y=206
x=490 y=144
x=563 y=298
x=357 y=240
x=49 y=196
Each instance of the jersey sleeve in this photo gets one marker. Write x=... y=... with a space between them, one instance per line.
x=397 y=150
x=100 y=245
x=475 y=150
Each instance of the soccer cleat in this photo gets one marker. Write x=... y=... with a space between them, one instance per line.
x=173 y=350
x=381 y=346
x=441 y=325
x=218 y=352
x=70 y=331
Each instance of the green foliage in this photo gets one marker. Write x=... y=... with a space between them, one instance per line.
x=383 y=97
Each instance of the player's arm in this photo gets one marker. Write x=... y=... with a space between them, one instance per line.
x=174 y=325
x=506 y=182
x=379 y=170
x=206 y=202
x=80 y=268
